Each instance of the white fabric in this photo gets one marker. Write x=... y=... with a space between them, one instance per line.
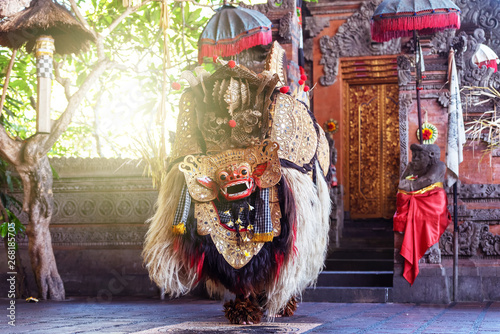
x=456 y=130
x=420 y=56
x=484 y=53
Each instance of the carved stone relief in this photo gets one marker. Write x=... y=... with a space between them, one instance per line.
x=432 y=255
x=315 y=24
x=108 y=208
x=482 y=14
x=99 y=202
x=479 y=193
x=405 y=101
x=68 y=167
x=404 y=72
x=353 y=39
x=271 y=5
x=474 y=239
x=480 y=22
x=100 y=235
x=312 y=27
x=286 y=26
x=444 y=99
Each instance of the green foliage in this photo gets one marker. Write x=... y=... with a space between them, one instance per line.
x=8 y=183
x=19 y=228
x=126 y=101
x=19 y=115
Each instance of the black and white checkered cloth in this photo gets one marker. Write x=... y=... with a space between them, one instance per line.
x=44 y=67
x=263 y=223
x=182 y=212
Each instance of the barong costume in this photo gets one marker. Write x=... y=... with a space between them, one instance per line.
x=244 y=206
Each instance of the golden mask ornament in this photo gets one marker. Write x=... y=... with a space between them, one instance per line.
x=232 y=173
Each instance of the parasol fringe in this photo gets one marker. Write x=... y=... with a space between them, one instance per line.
x=226 y=50
x=385 y=30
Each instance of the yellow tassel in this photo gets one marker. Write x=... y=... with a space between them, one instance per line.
x=179 y=228
x=263 y=237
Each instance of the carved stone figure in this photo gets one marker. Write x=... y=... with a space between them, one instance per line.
x=424 y=169
x=422 y=212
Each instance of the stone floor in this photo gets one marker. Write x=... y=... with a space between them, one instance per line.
x=190 y=315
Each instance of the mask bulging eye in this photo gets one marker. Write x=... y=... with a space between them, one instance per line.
x=223 y=176
x=244 y=171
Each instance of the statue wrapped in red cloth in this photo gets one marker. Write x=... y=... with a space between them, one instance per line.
x=422 y=212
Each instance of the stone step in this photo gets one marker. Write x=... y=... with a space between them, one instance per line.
x=368 y=223
x=359 y=264
x=366 y=242
x=348 y=295
x=372 y=232
x=362 y=253
x=355 y=279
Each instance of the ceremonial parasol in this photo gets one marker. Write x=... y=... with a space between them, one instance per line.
x=45 y=26
x=45 y=17
x=232 y=30
x=485 y=56
x=399 y=18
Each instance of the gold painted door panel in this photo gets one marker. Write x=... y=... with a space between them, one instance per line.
x=373 y=139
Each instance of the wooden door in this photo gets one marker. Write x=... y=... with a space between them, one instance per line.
x=372 y=113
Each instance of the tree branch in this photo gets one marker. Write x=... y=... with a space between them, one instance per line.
x=197 y=4
x=80 y=17
x=47 y=141
x=10 y=149
x=65 y=82
x=126 y=13
x=7 y=79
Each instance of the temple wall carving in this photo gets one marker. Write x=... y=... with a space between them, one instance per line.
x=100 y=202
x=351 y=40
x=98 y=227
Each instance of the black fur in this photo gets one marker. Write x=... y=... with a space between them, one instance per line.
x=262 y=268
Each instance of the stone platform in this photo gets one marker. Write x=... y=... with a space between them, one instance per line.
x=189 y=315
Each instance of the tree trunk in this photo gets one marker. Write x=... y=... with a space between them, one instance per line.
x=37 y=180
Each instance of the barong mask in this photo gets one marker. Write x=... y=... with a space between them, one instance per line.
x=234 y=174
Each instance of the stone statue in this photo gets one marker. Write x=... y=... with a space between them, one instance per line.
x=422 y=212
x=424 y=169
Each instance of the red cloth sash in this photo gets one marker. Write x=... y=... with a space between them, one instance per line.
x=423 y=216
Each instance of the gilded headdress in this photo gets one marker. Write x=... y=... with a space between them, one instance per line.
x=226 y=110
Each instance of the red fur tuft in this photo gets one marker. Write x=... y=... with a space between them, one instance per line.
x=199 y=267
x=280 y=258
